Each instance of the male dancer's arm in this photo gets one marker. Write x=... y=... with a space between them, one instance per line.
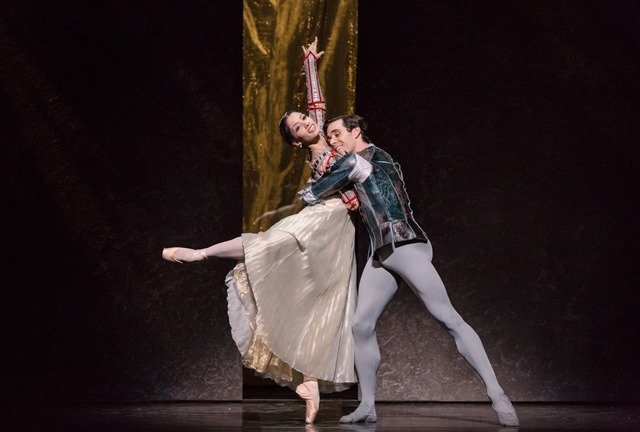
x=348 y=170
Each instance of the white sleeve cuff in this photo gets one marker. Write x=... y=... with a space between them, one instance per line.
x=361 y=170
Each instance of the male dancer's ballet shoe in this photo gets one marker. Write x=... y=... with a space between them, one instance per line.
x=308 y=391
x=169 y=254
x=505 y=411
x=362 y=414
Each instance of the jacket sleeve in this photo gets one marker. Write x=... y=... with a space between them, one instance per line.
x=349 y=169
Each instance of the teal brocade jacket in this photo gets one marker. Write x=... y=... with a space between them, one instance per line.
x=384 y=203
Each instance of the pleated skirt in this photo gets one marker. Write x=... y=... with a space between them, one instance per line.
x=292 y=298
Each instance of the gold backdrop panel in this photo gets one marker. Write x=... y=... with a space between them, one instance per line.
x=273 y=82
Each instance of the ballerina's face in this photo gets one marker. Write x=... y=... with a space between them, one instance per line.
x=303 y=129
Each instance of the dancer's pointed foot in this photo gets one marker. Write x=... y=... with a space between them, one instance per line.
x=308 y=391
x=170 y=254
x=182 y=255
x=505 y=411
x=362 y=414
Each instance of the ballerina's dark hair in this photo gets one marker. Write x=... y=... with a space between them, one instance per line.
x=284 y=129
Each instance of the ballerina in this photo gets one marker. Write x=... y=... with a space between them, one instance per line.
x=292 y=293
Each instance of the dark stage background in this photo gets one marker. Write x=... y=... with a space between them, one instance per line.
x=517 y=129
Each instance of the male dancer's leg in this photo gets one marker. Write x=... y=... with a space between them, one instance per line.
x=413 y=263
x=377 y=287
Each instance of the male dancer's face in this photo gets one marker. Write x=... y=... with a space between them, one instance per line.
x=343 y=141
x=303 y=128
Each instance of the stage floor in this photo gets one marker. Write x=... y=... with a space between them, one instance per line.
x=288 y=415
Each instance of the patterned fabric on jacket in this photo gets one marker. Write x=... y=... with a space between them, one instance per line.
x=384 y=203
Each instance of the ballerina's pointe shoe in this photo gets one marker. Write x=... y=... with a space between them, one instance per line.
x=188 y=255
x=505 y=411
x=169 y=254
x=308 y=391
x=362 y=414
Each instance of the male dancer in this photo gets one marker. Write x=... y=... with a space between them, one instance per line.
x=398 y=247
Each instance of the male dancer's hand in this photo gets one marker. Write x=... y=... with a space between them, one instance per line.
x=307 y=197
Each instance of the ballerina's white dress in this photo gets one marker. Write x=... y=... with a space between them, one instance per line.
x=292 y=298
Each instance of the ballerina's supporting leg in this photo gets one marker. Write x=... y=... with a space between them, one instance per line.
x=227 y=249
x=308 y=391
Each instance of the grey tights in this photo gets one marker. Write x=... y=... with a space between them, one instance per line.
x=412 y=263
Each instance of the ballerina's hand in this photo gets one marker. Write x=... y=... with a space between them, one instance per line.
x=313 y=49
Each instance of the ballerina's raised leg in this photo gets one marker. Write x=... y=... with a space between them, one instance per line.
x=227 y=249
x=233 y=249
